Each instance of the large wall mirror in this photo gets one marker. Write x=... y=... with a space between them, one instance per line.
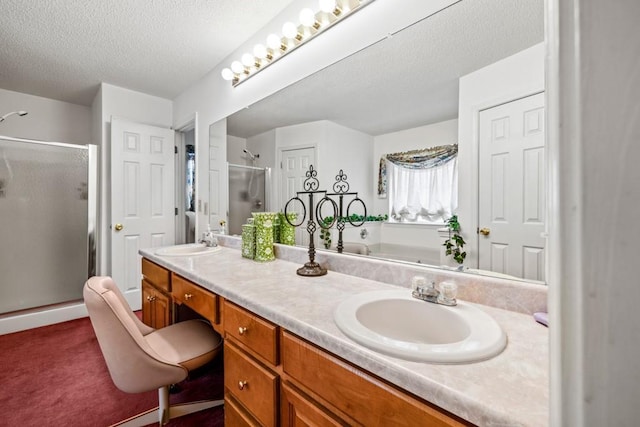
x=404 y=93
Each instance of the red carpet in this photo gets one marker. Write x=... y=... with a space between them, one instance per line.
x=56 y=376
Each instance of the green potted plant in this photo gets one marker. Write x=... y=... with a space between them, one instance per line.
x=455 y=242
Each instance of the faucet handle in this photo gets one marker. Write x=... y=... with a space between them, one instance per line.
x=448 y=293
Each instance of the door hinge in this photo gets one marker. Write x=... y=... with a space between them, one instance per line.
x=280 y=165
x=176 y=211
x=175 y=149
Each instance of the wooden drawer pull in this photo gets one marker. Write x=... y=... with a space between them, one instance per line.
x=242 y=385
x=188 y=296
x=242 y=330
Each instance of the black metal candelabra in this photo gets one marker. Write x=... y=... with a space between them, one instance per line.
x=341 y=189
x=310 y=185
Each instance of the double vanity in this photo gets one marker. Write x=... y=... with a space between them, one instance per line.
x=347 y=350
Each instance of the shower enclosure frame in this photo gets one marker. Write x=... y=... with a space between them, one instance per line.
x=92 y=210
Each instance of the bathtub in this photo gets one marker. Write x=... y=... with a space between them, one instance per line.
x=417 y=254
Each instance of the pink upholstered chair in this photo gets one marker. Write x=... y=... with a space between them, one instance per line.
x=141 y=358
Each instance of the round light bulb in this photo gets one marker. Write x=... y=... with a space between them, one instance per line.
x=227 y=74
x=260 y=51
x=289 y=30
x=327 y=6
x=248 y=60
x=274 y=42
x=307 y=17
x=237 y=67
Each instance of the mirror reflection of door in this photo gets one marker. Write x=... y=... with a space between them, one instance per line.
x=511 y=183
x=294 y=165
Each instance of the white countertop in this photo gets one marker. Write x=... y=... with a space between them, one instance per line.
x=511 y=389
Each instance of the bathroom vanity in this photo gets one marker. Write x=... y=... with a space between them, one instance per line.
x=287 y=363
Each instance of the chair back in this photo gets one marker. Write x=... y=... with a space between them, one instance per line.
x=133 y=365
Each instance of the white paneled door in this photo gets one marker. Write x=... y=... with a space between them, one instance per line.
x=142 y=199
x=511 y=182
x=294 y=165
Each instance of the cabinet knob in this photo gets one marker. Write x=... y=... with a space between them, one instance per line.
x=188 y=296
x=242 y=384
x=150 y=298
x=242 y=330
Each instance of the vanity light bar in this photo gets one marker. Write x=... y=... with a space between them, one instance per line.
x=293 y=36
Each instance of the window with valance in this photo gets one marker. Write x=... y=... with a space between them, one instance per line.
x=421 y=185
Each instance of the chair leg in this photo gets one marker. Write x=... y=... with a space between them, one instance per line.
x=181 y=409
x=165 y=412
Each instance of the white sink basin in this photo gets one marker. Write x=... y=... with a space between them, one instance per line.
x=394 y=323
x=188 y=249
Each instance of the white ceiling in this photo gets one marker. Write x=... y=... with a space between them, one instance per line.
x=63 y=49
x=407 y=80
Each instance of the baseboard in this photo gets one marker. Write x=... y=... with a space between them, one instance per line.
x=44 y=317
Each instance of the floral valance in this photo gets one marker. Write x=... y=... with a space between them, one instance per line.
x=415 y=159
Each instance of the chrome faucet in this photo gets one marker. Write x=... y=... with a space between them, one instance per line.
x=428 y=292
x=208 y=238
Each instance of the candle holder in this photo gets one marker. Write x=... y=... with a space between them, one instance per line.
x=341 y=189
x=310 y=185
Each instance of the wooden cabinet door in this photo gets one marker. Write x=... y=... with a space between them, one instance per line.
x=148 y=292
x=156 y=306
x=298 y=411
x=161 y=310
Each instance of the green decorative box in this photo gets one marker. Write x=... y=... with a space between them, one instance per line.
x=249 y=241
x=287 y=231
x=264 y=242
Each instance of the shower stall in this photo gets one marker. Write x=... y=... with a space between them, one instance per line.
x=48 y=201
x=248 y=192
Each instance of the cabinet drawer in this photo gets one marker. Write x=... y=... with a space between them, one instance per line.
x=257 y=334
x=255 y=387
x=158 y=276
x=235 y=415
x=355 y=392
x=200 y=300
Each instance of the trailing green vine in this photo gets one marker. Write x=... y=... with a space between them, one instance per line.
x=325 y=233
x=455 y=242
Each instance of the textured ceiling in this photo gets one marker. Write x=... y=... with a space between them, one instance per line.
x=63 y=49
x=407 y=80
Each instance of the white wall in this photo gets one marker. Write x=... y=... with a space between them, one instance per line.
x=213 y=98
x=337 y=147
x=235 y=156
x=130 y=105
x=48 y=119
x=516 y=76
x=595 y=285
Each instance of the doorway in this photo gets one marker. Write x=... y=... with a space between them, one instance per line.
x=185 y=185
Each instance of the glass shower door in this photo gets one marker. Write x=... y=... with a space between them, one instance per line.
x=46 y=245
x=247 y=194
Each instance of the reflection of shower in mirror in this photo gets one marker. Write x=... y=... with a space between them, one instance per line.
x=252 y=194
x=251 y=156
x=20 y=113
